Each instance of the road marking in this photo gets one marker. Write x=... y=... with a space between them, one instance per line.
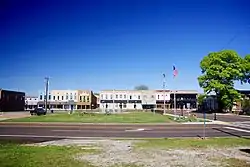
x=134 y=130
x=237 y=129
x=66 y=130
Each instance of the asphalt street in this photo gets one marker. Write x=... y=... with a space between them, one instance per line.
x=43 y=132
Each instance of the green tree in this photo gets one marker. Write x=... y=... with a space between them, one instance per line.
x=219 y=71
x=246 y=77
x=201 y=98
x=141 y=87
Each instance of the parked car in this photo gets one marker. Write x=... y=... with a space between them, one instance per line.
x=38 y=111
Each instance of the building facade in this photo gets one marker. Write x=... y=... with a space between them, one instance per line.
x=59 y=99
x=68 y=99
x=147 y=99
x=127 y=99
x=12 y=100
x=31 y=102
x=86 y=100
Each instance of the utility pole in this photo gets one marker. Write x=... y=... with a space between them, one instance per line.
x=46 y=92
x=164 y=93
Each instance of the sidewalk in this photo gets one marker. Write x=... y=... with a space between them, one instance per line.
x=13 y=115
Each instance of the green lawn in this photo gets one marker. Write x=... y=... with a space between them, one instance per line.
x=193 y=142
x=14 y=155
x=133 y=117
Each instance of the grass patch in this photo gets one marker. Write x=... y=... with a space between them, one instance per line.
x=193 y=143
x=133 y=117
x=15 y=155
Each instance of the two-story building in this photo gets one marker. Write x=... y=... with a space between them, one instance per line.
x=86 y=100
x=127 y=99
x=31 y=102
x=68 y=99
x=12 y=100
x=186 y=99
x=59 y=99
x=160 y=96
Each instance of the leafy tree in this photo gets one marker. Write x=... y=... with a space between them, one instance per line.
x=246 y=63
x=141 y=87
x=201 y=98
x=219 y=71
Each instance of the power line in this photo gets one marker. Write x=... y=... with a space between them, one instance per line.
x=233 y=38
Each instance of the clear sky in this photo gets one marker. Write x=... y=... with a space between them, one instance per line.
x=115 y=44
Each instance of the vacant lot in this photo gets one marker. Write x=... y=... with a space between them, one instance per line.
x=132 y=117
x=220 y=152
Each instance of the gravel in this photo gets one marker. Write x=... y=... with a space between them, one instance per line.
x=120 y=152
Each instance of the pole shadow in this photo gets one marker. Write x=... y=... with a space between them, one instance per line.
x=231 y=134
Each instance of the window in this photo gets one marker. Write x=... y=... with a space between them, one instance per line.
x=84 y=99
x=120 y=96
x=87 y=98
x=152 y=96
x=158 y=96
x=124 y=105
x=71 y=97
x=106 y=96
x=41 y=97
x=116 y=96
x=80 y=98
x=75 y=98
x=58 y=97
x=62 y=97
x=44 y=96
x=130 y=97
x=54 y=97
x=49 y=97
x=124 y=96
x=101 y=96
x=111 y=96
x=67 y=97
x=139 y=97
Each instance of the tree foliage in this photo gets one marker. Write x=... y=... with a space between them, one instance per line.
x=219 y=71
x=201 y=98
x=141 y=87
x=246 y=76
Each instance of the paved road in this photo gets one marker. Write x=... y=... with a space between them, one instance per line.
x=51 y=132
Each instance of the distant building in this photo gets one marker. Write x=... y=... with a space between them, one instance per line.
x=59 y=99
x=31 y=102
x=12 y=100
x=186 y=99
x=86 y=100
x=68 y=99
x=147 y=99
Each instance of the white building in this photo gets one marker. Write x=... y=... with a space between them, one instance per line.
x=31 y=102
x=118 y=100
x=60 y=99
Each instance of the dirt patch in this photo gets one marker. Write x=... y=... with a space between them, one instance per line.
x=115 y=152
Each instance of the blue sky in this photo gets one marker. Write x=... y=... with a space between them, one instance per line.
x=115 y=44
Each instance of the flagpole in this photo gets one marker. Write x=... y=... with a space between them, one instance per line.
x=113 y=100
x=174 y=75
x=164 y=93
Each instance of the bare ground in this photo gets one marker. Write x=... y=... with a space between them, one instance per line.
x=122 y=152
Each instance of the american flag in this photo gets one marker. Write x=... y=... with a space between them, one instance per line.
x=175 y=71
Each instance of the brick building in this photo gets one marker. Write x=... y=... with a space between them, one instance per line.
x=12 y=100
